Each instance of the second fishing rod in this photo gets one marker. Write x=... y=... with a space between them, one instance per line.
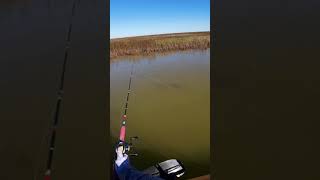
x=57 y=110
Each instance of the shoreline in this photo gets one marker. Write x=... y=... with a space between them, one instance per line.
x=155 y=55
x=154 y=44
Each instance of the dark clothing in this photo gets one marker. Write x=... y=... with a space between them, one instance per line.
x=126 y=172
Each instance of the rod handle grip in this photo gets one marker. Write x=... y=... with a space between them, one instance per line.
x=122 y=133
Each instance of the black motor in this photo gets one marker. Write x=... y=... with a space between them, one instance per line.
x=169 y=169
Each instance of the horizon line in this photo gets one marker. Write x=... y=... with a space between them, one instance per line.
x=158 y=34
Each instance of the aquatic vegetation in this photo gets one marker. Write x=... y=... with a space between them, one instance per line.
x=147 y=45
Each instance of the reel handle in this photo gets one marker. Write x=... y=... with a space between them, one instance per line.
x=133 y=154
x=128 y=146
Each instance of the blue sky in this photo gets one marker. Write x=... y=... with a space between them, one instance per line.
x=145 y=17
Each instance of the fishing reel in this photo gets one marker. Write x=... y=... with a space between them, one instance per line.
x=127 y=147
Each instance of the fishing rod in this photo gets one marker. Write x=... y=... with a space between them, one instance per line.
x=47 y=175
x=124 y=119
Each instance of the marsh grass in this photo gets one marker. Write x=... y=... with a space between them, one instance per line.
x=148 y=45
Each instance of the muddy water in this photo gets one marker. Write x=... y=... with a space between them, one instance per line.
x=169 y=108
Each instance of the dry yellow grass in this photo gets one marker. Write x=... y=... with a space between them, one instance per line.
x=147 y=45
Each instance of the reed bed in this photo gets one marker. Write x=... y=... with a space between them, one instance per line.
x=148 y=45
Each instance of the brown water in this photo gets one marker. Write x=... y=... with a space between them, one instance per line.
x=169 y=108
